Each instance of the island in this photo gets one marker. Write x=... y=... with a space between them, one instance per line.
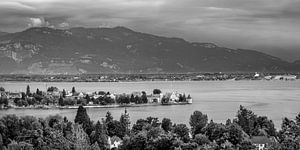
x=54 y=98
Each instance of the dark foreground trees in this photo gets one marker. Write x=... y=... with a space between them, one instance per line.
x=56 y=132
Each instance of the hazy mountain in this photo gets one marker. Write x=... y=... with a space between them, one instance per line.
x=97 y=50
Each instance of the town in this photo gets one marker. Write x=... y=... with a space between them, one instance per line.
x=149 y=77
x=54 y=98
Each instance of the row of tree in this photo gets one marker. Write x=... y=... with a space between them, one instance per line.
x=55 y=132
x=38 y=98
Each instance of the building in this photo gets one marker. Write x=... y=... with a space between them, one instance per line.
x=114 y=142
x=173 y=97
x=262 y=142
x=138 y=94
x=155 y=98
x=285 y=77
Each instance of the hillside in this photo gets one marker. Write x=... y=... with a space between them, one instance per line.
x=121 y=50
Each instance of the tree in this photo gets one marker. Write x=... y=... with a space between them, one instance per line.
x=139 y=141
x=83 y=118
x=298 y=119
x=73 y=90
x=23 y=96
x=2 y=89
x=1 y=142
x=61 y=101
x=64 y=93
x=99 y=136
x=37 y=92
x=88 y=99
x=144 y=97
x=201 y=139
x=166 y=124
x=125 y=121
x=198 y=121
x=132 y=99
x=115 y=128
x=235 y=134
x=52 y=89
x=163 y=142
x=154 y=122
x=182 y=131
x=10 y=128
x=265 y=125
x=108 y=117
x=156 y=91
x=246 y=119
x=28 y=90
x=216 y=132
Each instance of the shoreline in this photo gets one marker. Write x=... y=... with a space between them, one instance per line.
x=93 y=106
x=146 y=81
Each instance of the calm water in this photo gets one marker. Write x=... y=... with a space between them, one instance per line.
x=219 y=99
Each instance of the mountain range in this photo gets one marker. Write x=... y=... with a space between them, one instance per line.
x=43 y=50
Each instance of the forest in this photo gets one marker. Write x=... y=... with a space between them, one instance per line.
x=57 y=132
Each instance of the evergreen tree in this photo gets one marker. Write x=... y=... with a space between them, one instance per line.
x=37 y=91
x=198 y=121
x=144 y=97
x=64 y=93
x=109 y=117
x=88 y=99
x=246 y=119
x=61 y=101
x=83 y=118
x=125 y=121
x=73 y=90
x=132 y=99
x=27 y=90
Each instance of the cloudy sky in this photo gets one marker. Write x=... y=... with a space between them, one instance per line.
x=271 y=26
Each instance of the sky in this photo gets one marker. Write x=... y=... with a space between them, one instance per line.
x=271 y=26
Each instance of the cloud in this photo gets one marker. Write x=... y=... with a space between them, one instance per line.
x=36 y=22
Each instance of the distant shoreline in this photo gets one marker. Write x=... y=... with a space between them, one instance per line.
x=51 y=107
x=141 y=81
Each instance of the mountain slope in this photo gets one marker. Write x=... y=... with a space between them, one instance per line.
x=121 y=50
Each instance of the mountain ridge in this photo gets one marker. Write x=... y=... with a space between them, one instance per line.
x=42 y=50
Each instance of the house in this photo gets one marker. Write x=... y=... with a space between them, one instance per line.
x=155 y=98
x=256 y=75
x=78 y=95
x=262 y=142
x=285 y=77
x=112 y=96
x=53 y=93
x=138 y=94
x=114 y=142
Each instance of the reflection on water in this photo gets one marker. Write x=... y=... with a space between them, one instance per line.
x=219 y=99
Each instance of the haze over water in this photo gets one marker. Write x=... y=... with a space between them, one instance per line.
x=220 y=100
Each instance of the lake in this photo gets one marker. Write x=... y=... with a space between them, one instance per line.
x=220 y=100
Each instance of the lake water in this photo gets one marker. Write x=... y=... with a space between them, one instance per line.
x=220 y=100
